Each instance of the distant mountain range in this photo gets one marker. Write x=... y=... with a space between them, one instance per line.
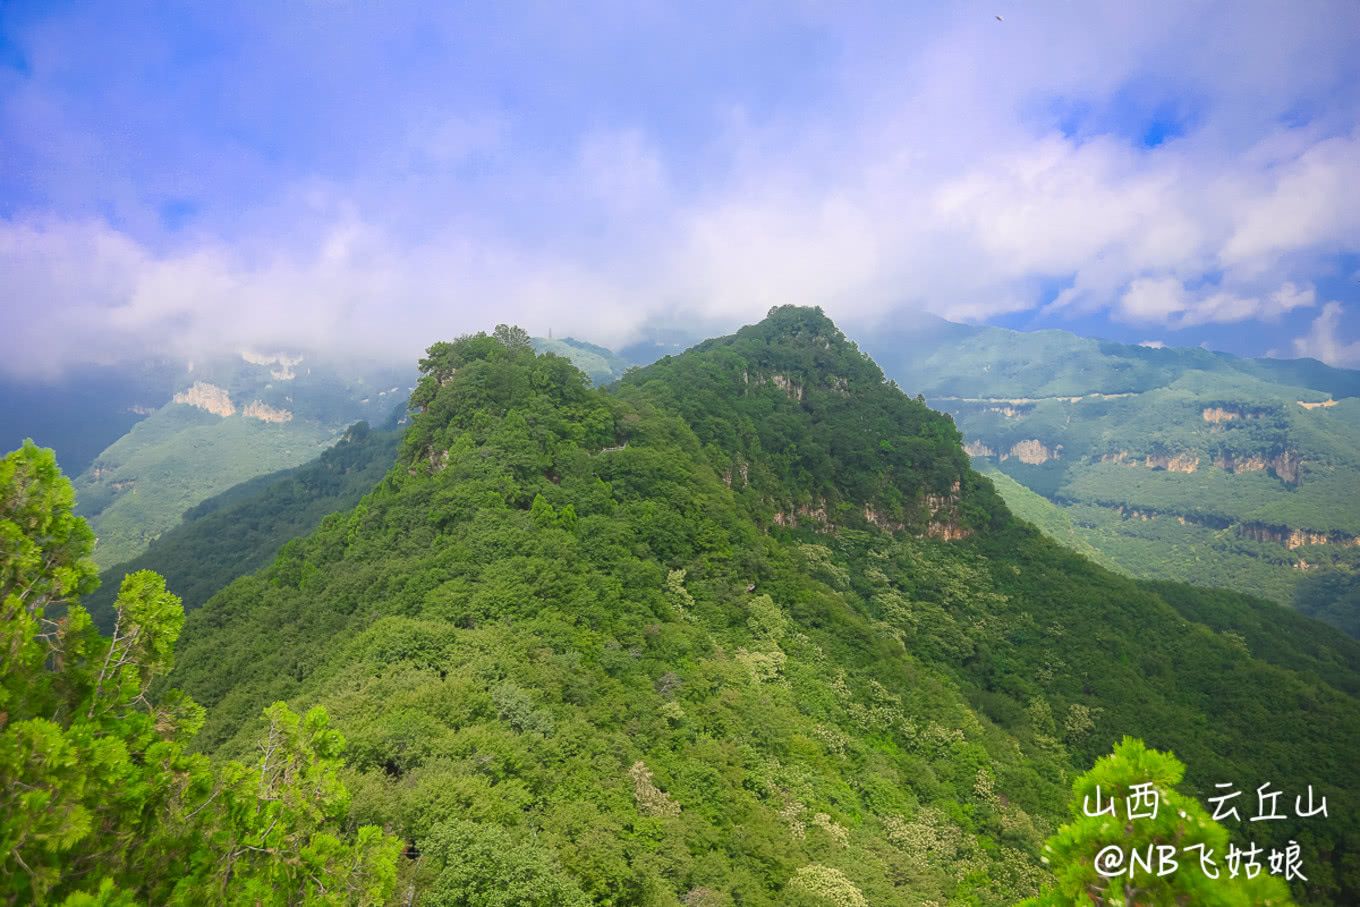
x=85 y=409
x=1169 y=463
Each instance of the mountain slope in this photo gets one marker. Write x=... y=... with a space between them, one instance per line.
x=602 y=365
x=1173 y=463
x=745 y=626
x=240 y=530
x=1050 y=519
x=227 y=422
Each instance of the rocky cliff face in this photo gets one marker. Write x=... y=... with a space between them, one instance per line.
x=802 y=514
x=208 y=397
x=943 y=522
x=266 y=413
x=976 y=448
x=1033 y=452
x=792 y=389
x=286 y=364
x=739 y=469
x=1286 y=465
x=1178 y=463
x=1295 y=538
x=944 y=515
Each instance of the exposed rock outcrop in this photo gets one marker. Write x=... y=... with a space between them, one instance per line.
x=284 y=372
x=881 y=521
x=1229 y=414
x=942 y=522
x=944 y=515
x=792 y=389
x=978 y=449
x=1178 y=463
x=796 y=515
x=266 y=413
x=1286 y=465
x=1033 y=452
x=741 y=469
x=1295 y=538
x=208 y=397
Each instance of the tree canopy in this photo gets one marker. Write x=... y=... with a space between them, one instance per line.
x=100 y=800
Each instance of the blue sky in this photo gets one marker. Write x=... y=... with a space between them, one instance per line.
x=370 y=177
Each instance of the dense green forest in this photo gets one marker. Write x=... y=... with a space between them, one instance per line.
x=743 y=628
x=1171 y=463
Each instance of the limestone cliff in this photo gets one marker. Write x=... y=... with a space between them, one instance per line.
x=1285 y=465
x=266 y=413
x=1033 y=452
x=285 y=364
x=208 y=397
x=1178 y=463
x=976 y=448
x=1295 y=538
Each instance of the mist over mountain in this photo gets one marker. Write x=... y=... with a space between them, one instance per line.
x=85 y=410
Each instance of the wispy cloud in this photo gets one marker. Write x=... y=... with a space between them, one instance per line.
x=1321 y=341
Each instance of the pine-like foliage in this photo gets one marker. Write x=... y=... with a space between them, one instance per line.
x=1155 y=846
x=100 y=801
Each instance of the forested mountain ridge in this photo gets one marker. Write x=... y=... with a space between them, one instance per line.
x=745 y=628
x=1172 y=463
x=842 y=447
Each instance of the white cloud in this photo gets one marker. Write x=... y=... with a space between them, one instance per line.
x=1153 y=299
x=1153 y=344
x=925 y=166
x=622 y=170
x=1321 y=341
x=353 y=291
x=1310 y=200
x=1225 y=308
x=1166 y=300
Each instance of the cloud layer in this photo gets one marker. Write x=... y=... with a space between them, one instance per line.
x=371 y=179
